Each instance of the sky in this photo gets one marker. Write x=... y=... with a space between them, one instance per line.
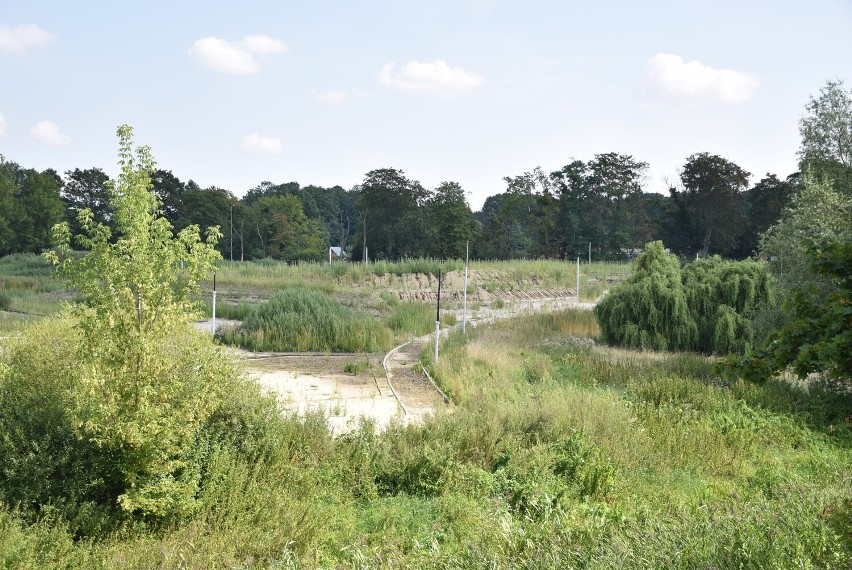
x=321 y=92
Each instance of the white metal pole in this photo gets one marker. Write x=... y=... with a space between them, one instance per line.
x=464 y=311
x=438 y=317
x=437 y=336
x=578 y=280
x=214 y=304
x=590 y=252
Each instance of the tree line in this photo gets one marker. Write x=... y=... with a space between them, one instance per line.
x=598 y=207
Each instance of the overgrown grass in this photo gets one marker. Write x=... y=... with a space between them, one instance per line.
x=300 y=319
x=559 y=454
x=416 y=318
x=29 y=285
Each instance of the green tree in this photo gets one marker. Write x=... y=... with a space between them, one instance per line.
x=649 y=309
x=391 y=225
x=39 y=208
x=712 y=201
x=600 y=202
x=86 y=189
x=140 y=397
x=764 y=203
x=8 y=206
x=450 y=218
x=819 y=337
x=826 y=130
x=818 y=215
x=285 y=232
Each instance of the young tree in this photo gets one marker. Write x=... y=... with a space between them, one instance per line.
x=140 y=396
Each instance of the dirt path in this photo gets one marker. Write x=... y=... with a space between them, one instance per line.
x=417 y=396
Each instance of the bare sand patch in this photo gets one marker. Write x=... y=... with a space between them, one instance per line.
x=345 y=400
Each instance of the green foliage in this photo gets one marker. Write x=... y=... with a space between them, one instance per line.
x=649 y=310
x=722 y=296
x=301 y=319
x=819 y=338
x=826 y=130
x=142 y=384
x=817 y=214
x=613 y=459
x=706 y=307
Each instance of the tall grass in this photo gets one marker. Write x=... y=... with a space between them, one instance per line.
x=559 y=454
x=29 y=285
x=300 y=319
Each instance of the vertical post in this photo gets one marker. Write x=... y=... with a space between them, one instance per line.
x=464 y=310
x=329 y=255
x=214 y=303
x=438 y=317
x=590 y=252
x=578 y=280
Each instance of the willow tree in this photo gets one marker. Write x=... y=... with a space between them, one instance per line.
x=649 y=310
x=722 y=296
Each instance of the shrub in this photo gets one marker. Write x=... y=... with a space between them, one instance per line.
x=649 y=310
x=300 y=319
x=705 y=307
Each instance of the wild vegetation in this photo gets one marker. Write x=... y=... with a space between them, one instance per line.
x=299 y=319
x=559 y=454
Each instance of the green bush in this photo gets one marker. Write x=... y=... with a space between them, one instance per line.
x=705 y=307
x=51 y=460
x=300 y=319
x=649 y=310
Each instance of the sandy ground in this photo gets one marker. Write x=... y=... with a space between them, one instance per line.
x=400 y=393
x=344 y=399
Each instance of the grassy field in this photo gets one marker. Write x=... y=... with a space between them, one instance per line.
x=559 y=454
x=259 y=280
x=29 y=286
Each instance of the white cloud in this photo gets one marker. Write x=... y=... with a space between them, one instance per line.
x=266 y=145
x=50 y=133
x=263 y=44
x=20 y=38
x=2 y=125
x=332 y=97
x=234 y=58
x=694 y=81
x=437 y=77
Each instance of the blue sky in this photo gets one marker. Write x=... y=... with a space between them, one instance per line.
x=321 y=92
